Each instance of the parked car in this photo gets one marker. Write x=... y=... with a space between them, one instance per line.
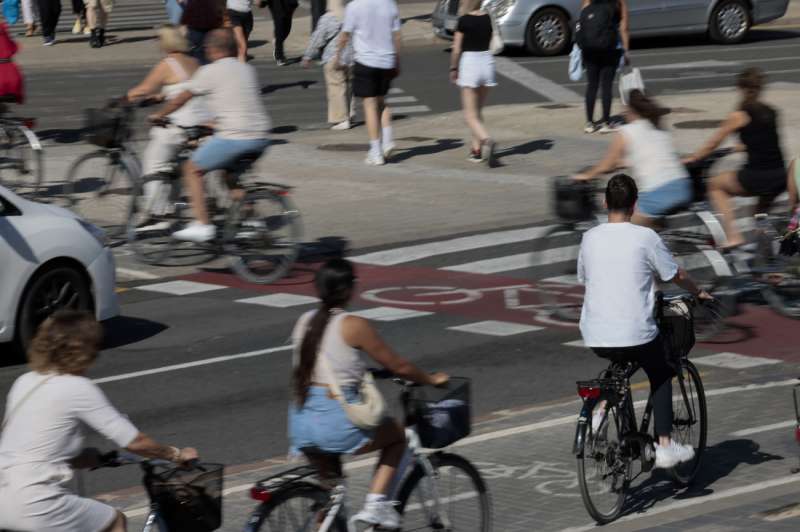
x=544 y=27
x=49 y=260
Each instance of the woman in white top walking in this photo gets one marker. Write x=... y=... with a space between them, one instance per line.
x=661 y=176
x=316 y=419
x=42 y=438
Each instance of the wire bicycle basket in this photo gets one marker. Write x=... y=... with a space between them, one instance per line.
x=189 y=500
x=676 y=325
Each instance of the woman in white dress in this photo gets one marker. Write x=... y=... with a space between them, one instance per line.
x=42 y=437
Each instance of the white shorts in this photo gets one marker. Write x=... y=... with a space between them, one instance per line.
x=476 y=69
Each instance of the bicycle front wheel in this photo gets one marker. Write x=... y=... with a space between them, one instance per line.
x=604 y=469
x=455 y=499
x=99 y=187
x=689 y=420
x=263 y=235
x=300 y=508
x=21 y=161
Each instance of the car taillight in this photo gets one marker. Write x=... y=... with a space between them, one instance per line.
x=589 y=392
x=797 y=434
x=259 y=493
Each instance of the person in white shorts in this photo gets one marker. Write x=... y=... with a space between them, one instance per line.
x=42 y=435
x=472 y=69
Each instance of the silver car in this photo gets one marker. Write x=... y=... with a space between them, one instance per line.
x=544 y=27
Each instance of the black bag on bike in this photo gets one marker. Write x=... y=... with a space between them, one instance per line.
x=105 y=127
x=597 y=27
x=443 y=416
x=574 y=200
x=189 y=500
x=676 y=326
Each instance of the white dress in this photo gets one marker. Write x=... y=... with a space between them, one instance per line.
x=40 y=437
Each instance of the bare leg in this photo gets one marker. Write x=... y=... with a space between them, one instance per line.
x=470 y=99
x=119 y=524
x=241 y=43
x=372 y=114
x=193 y=180
x=390 y=439
x=386 y=113
x=721 y=189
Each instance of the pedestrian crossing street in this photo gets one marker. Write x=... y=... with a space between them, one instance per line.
x=126 y=15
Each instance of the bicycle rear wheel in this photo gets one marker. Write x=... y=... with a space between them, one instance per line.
x=262 y=236
x=689 y=421
x=464 y=502
x=299 y=508
x=99 y=189
x=21 y=162
x=604 y=469
x=560 y=292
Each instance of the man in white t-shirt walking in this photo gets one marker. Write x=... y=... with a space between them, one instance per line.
x=374 y=27
x=618 y=263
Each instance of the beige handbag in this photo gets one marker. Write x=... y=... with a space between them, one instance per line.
x=497 y=44
x=369 y=413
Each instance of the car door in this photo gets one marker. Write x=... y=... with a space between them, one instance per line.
x=685 y=14
x=645 y=15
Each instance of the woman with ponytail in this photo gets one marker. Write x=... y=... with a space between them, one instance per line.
x=316 y=418
x=663 y=181
x=764 y=173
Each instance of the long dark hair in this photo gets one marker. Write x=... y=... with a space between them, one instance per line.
x=751 y=82
x=646 y=107
x=334 y=282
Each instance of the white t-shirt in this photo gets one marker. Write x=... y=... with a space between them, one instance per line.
x=47 y=427
x=242 y=6
x=618 y=263
x=652 y=155
x=372 y=24
x=233 y=96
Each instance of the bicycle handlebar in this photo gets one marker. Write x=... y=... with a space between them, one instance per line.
x=385 y=374
x=114 y=459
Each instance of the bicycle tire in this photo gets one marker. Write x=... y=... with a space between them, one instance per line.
x=597 y=456
x=25 y=160
x=414 y=520
x=258 y=252
x=275 y=516
x=560 y=293
x=104 y=200
x=692 y=387
x=781 y=291
x=154 y=244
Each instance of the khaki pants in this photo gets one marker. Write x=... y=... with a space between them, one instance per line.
x=339 y=84
x=97 y=12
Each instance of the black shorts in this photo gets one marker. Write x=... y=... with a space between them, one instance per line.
x=244 y=20
x=369 y=82
x=767 y=183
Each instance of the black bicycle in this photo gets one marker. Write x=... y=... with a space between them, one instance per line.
x=606 y=457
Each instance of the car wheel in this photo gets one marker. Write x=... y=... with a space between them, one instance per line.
x=730 y=22
x=57 y=288
x=548 y=33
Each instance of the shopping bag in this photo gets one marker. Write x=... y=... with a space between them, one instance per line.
x=575 y=63
x=11 y=11
x=628 y=81
x=497 y=44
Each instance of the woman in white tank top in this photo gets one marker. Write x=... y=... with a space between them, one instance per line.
x=316 y=419
x=662 y=178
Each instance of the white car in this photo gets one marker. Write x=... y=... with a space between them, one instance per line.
x=49 y=259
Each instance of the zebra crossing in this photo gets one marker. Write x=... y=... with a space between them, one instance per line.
x=126 y=15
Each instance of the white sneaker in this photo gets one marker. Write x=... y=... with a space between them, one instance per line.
x=607 y=128
x=196 y=232
x=341 y=126
x=381 y=513
x=671 y=455
x=685 y=452
x=388 y=149
x=374 y=160
x=153 y=225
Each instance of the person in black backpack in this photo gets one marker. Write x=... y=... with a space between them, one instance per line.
x=602 y=28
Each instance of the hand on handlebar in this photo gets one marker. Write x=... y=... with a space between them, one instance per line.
x=187 y=455
x=158 y=120
x=439 y=378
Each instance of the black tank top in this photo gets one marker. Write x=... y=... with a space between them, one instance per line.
x=760 y=136
x=477 y=30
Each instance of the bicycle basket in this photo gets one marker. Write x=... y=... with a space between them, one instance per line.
x=189 y=500
x=574 y=200
x=442 y=415
x=105 y=127
x=677 y=329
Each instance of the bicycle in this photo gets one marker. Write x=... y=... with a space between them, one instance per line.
x=314 y=497
x=181 y=497
x=21 y=153
x=98 y=184
x=260 y=228
x=605 y=459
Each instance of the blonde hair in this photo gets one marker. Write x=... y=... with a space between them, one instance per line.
x=467 y=6
x=172 y=39
x=67 y=342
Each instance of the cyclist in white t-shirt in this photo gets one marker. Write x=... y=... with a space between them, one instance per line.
x=618 y=264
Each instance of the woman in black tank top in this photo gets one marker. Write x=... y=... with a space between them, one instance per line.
x=764 y=173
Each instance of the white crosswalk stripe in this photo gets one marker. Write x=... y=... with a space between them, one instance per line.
x=126 y=15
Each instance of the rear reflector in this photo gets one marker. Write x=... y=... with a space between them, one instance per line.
x=797 y=434
x=588 y=392
x=30 y=123
x=258 y=493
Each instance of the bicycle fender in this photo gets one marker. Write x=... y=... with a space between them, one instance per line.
x=580 y=430
x=34 y=141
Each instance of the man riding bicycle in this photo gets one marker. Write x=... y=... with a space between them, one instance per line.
x=618 y=263
x=233 y=96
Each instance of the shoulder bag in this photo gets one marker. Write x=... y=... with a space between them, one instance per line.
x=496 y=45
x=24 y=398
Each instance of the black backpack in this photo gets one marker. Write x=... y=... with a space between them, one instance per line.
x=597 y=28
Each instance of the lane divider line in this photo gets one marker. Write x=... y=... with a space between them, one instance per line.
x=764 y=428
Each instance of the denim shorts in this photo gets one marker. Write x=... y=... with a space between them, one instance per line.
x=322 y=422
x=661 y=200
x=218 y=153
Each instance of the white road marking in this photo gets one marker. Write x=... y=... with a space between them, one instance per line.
x=726 y=494
x=444 y=500
x=390 y=313
x=392 y=257
x=534 y=82
x=280 y=300
x=136 y=274
x=496 y=328
x=709 y=63
x=187 y=365
x=180 y=288
x=575 y=343
x=734 y=361
x=396 y=90
x=410 y=109
x=519 y=261
x=691 y=78
x=764 y=428
x=401 y=99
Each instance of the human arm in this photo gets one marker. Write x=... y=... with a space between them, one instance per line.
x=663 y=263
x=172 y=105
x=397 y=37
x=151 y=84
x=614 y=155
x=624 y=28
x=455 y=55
x=791 y=186
x=344 y=40
x=735 y=121
x=358 y=333
x=685 y=281
x=323 y=33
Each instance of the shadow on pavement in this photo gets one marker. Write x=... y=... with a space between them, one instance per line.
x=439 y=146
x=525 y=149
x=125 y=330
x=61 y=136
x=306 y=83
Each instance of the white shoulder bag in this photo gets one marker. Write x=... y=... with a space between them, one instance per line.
x=496 y=45
x=628 y=81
